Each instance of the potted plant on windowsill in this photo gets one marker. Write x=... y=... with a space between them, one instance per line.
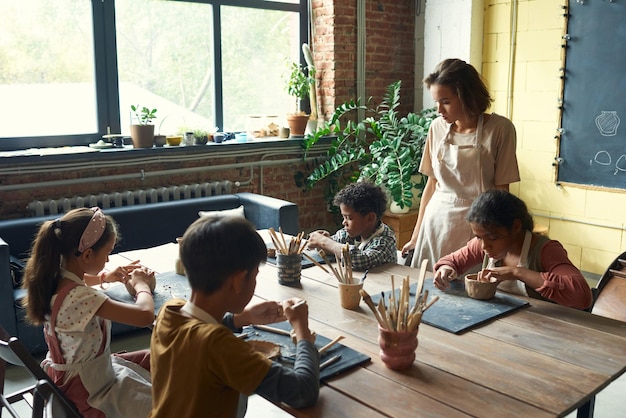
x=298 y=85
x=142 y=132
x=384 y=148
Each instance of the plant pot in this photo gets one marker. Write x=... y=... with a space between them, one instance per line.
x=142 y=136
x=395 y=208
x=297 y=124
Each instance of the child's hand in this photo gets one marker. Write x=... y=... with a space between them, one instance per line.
x=443 y=276
x=266 y=312
x=141 y=279
x=297 y=312
x=317 y=239
x=121 y=273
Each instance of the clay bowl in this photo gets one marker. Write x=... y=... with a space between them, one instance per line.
x=480 y=290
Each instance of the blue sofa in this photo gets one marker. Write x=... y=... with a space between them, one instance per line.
x=141 y=226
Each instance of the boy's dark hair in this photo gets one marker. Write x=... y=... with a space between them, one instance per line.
x=364 y=197
x=499 y=208
x=465 y=81
x=212 y=249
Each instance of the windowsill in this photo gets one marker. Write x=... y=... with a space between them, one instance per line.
x=76 y=152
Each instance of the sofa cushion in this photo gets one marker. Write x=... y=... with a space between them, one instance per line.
x=237 y=212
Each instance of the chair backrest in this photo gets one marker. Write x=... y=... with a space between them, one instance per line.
x=14 y=352
x=610 y=300
x=56 y=405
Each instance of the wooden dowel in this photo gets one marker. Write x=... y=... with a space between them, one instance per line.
x=330 y=344
x=282 y=236
x=316 y=263
x=368 y=300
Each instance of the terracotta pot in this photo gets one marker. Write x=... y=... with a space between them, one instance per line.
x=142 y=136
x=397 y=349
x=297 y=124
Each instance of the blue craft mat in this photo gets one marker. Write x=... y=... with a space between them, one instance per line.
x=171 y=284
x=349 y=358
x=168 y=285
x=455 y=311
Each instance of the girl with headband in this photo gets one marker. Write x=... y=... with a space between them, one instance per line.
x=66 y=257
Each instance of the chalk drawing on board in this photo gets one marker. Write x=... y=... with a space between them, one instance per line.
x=602 y=158
x=607 y=122
x=620 y=165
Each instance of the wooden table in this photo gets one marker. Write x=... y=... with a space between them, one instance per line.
x=541 y=361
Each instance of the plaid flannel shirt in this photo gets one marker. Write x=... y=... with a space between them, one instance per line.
x=380 y=249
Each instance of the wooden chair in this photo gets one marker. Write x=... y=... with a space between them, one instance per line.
x=610 y=293
x=42 y=395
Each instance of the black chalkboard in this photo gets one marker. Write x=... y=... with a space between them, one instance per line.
x=593 y=141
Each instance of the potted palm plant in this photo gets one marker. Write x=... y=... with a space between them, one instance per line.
x=142 y=132
x=385 y=148
x=298 y=85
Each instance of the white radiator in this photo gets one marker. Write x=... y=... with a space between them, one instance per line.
x=128 y=197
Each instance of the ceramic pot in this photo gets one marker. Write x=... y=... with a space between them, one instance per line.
x=480 y=290
x=289 y=268
x=142 y=136
x=349 y=295
x=397 y=349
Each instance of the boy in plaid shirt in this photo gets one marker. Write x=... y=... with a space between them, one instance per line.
x=371 y=242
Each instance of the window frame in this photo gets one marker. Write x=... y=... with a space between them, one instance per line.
x=106 y=74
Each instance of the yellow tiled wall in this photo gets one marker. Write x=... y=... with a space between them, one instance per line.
x=590 y=223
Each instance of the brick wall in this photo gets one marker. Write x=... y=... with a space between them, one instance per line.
x=390 y=50
x=276 y=181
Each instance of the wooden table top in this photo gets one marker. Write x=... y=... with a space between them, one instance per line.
x=541 y=360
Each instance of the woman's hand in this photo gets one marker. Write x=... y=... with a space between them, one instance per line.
x=443 y=276
x=406 y=248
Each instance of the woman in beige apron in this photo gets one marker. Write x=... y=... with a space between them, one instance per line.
x=459 y=182
x=466 y=153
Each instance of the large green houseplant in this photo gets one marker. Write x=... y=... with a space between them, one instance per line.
x=384 y=148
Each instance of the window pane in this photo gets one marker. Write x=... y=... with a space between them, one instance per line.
x=165 y=61
x=46 y=86
x=256 y=45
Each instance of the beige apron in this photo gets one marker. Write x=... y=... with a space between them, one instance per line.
x=116 y=387
x=457 y=169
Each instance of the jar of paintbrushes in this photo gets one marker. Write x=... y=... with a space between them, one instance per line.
x=399 y=320
x=288 y=256
x=349 y=286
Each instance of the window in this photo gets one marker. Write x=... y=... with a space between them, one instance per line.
x=71 y=69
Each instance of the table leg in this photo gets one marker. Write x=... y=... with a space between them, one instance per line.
x=586 y=410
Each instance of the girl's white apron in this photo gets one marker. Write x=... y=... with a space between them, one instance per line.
x=117 y=387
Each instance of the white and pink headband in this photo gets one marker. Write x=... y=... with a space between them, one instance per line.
x=94 y=230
